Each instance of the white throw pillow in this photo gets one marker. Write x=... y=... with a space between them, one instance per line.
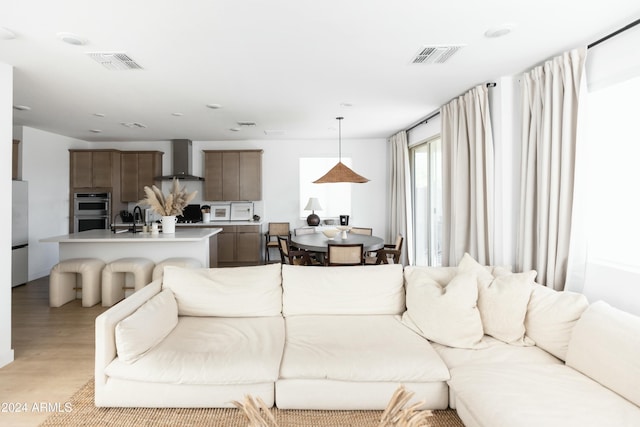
x=503 y=306
x=226 y=292
x=503 y=298
x=446 y=314
x=551 y=317
x=146 y=327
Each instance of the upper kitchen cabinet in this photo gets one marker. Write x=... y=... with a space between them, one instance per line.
x=232 y=175
x=94 y=168
x=137 y=170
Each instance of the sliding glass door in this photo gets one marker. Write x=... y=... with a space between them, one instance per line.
x=426 y=168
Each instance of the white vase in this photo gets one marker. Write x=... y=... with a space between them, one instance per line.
x=169 y=224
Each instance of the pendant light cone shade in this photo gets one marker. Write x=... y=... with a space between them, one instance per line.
x=340 y=172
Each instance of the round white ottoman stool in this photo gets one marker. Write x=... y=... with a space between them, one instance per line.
x=114 y=283
x=72 y=275
x=158 y=270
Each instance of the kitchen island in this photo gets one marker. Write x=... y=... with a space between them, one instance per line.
x=198 y=243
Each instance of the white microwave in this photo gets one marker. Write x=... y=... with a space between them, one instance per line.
x=241 y=211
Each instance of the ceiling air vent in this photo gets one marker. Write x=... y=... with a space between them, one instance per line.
x=115 y=61
x=435 y=54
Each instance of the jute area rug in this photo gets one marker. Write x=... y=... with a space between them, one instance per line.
x=84 y=413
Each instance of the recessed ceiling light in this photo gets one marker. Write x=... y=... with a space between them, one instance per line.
x=235 y=129
x=22 y=107
x=214 y=106
x=99 y=114
x=71 y=38
x=177 y=114
x=6 y=34
x=246 y=123
x=95 y=130
x=500 y=31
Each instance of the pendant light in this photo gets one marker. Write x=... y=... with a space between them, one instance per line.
x=340 y=172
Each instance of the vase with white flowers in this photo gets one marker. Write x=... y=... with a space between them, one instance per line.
x=170 y=206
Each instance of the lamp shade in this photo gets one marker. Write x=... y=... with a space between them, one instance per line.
x=313 y=204
x=340 y=172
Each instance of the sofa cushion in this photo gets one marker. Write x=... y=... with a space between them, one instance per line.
x=212 y=350
x=358 y=348
x=495 y=352
x=373 y=289
x=146 y=327
x=226 y=292
x=534 y=395
x=447 y=314
x=503 y=298
x=503 y=303
x=605 y=345
x=551 y=316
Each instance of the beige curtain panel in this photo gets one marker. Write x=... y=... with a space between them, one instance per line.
x=550 y=98
x=400 y=213
x=468 y=165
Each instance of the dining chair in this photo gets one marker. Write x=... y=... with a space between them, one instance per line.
x=274 y=230
x=292 y=256
x=390 y=253
x=345 y=254
x=361 y=230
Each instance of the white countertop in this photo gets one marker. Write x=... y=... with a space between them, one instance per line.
x=106 y=236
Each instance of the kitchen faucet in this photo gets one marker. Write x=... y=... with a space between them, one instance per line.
x=136 y=211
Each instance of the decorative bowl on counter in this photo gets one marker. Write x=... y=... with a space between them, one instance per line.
x=330 y=233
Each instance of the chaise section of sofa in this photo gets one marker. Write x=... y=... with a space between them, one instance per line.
x=201 y=338
x=577 y=364
x=345 y=345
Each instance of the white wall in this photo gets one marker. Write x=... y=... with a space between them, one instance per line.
x=6 y=130
x=46 y=167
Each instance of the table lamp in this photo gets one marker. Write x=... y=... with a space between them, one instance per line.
x=313 y=205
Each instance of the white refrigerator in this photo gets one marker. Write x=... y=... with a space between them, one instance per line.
x=20 y=233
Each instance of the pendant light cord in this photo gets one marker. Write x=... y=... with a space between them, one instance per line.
x=339 y=119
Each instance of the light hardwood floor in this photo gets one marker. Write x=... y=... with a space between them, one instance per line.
x=54 y=354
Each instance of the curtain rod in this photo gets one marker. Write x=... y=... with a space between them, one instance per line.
x=435 y=114
x=615 y=33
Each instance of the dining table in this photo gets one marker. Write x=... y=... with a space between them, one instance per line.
x=318 y=242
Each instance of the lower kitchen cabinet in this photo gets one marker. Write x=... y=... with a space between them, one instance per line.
x=239 y=245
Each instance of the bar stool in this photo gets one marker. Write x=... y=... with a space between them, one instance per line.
x=69 y=276
x=114 y=275
x=158 y=270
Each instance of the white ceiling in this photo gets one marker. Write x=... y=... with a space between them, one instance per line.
x=286 y=65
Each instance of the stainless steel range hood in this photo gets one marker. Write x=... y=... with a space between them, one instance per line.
x=182 y=161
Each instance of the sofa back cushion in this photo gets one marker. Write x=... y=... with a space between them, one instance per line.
x=605 y=345
x=226 y=292
x=551 y=316
x=146 y=327
x=372 y=289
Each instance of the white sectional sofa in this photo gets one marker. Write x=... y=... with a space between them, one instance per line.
x=500 y=349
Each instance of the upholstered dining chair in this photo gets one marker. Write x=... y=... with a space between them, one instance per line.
x=293 y=256
x=274 y=230
x=361 y=230
x=345 y=254
x=388 y=254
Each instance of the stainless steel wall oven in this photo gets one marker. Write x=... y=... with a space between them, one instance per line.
x=91 y=211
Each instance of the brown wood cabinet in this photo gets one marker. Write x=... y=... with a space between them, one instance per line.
x=93 y=168
x=232 y=175
x=15 y=160
x=239 y=245
x=137 y=170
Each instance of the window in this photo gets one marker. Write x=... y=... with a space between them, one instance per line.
x=613 y=201
x=426 y=168
x=335 y=199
